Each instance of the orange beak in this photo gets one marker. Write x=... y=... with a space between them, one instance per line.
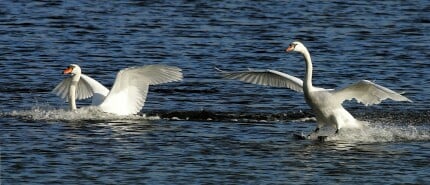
x=290 y=48
x=68 y=70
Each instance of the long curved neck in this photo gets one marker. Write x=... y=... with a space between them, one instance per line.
x=308 y=76
x=72 y=91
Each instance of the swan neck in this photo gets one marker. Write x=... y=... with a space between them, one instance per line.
x=308 y=73
x=72 y=91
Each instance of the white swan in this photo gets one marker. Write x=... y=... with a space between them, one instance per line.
x=325 y=103
x=128 y=93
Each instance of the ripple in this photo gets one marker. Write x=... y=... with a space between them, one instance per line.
x=208 y=130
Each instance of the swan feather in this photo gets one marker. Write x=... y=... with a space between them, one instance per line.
x=128 y=94
x=368 y=93
x=83 y=90
x=267 y=78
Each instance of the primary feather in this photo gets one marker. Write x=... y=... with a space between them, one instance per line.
x=267 y=77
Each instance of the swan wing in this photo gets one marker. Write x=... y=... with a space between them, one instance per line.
x=158 y=74
x=96 y=87
x=99 y=91
x=266 y=77
x=130 y=88
x=86 y=87
x=368 y=93
x=83 y=90
x=62 y=89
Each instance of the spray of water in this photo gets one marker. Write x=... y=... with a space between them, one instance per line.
x=47 y=113
x=375 y=131
x=384 y=132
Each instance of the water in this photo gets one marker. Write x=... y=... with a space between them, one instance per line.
x=206 y=130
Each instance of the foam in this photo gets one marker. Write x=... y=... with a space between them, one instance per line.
x=375 y=131
x=384 y=132
x=47 y=113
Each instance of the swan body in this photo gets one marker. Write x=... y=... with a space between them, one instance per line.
x=325 y=103
x=128 y=93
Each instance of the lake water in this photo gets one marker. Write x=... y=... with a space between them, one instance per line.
x=207 y=130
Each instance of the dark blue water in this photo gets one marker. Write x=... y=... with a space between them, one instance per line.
x=207 y=130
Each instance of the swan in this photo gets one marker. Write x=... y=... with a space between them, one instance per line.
x=128 y=93
x=325 y=103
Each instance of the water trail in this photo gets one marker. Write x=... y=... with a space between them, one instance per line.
x=384 y=132
x=47 y=113
x=218 y=116
x=381 y=128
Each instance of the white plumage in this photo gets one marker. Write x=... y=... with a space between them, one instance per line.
x=128 y=93
x=267 y=77
x=325 y=103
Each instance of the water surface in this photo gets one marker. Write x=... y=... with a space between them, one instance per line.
x=207 y=130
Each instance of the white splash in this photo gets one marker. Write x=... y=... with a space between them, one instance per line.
x=384 y=133
x=48 y=113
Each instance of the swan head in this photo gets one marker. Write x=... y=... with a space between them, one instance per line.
x=297 y=47
x=72 y=69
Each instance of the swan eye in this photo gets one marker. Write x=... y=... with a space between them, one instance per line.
x=292 y=45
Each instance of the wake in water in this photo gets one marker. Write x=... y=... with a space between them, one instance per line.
x=382 y=127
x=47 y=113
x=377 y=132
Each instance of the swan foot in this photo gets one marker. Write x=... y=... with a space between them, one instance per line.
x=337 y=131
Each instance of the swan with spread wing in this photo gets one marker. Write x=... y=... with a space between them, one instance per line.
x=128 y=93
x=325 y=103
